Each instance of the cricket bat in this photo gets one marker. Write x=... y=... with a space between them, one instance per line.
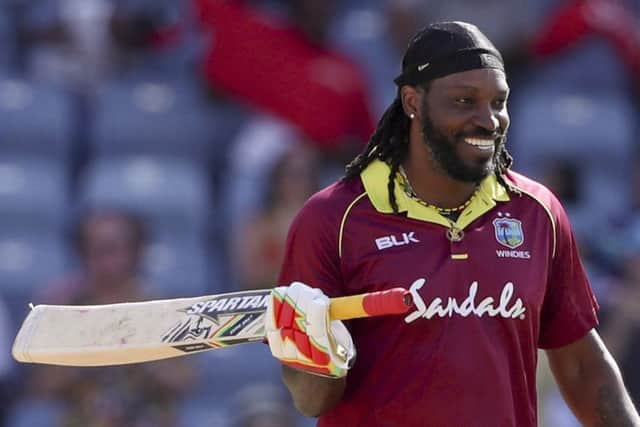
x=116 y=334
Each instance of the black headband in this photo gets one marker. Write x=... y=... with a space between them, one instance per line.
x=445 y=48
x=456 y=62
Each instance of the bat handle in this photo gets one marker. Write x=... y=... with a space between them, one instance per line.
x=392 y=301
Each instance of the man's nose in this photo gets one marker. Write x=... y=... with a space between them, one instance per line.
x=486 y=118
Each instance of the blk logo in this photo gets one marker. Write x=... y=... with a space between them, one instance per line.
x=393 y=240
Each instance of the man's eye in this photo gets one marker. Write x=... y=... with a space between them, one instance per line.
x=500 y=103
x=464 y=101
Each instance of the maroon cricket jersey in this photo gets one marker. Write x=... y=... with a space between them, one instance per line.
x=466 y=355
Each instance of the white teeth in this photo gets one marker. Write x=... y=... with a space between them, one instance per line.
x=480 y=143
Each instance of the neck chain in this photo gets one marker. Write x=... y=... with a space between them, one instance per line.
x=454 y=234
x=410 y=192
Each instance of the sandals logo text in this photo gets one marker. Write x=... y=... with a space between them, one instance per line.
x=448 y=307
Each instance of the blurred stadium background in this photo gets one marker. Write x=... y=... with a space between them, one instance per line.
x=213 y=120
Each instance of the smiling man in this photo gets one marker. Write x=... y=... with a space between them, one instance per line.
x=488 y=255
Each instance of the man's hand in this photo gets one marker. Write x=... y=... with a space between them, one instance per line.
x=301 y=335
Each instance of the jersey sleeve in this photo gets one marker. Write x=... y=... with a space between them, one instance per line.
x=311 y=254
x=569 y=308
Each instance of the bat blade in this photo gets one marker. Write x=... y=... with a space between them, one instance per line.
x=140 y=331
x=115 y=334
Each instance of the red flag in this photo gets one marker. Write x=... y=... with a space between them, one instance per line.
x=273 y=66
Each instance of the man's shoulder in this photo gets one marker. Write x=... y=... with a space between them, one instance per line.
x=335 y=198
x=321 y=216
x=327 y=207
x=535 y=190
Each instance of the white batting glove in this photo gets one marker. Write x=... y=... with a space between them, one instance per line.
x=301 y=335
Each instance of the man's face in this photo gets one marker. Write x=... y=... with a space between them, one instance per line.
x=110 y=248
x=465 y=121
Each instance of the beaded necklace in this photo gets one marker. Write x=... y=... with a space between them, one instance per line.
x=410 y=192
x=454 y=234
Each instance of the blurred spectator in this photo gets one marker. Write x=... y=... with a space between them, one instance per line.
x=562 y=177
x=82 y=42
x=285 y=69
x=261 y=238
x=110 y=245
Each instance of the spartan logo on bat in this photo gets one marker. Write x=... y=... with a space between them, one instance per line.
x=193 y=328
x=249 y=302
x=204 y=317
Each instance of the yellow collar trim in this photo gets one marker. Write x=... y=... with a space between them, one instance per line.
x=375 y=178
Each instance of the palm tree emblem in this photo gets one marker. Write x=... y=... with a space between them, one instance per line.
x=508 y=232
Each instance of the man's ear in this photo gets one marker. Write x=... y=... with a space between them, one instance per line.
x=410 y=101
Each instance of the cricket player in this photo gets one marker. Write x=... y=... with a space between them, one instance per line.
x=488 y=255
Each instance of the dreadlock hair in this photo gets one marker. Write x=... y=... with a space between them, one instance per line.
x=504 y=161
x=390 y=143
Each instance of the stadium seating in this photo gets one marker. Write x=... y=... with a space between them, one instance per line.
x=590 y=66
x=34 y=204
x=35 y=119
x=158 y=118
x=29 y=259
x=181 y=266
x=33 y=191
x=172 y=195
x=362 y=33
x=590 y=127
x=593 y=131
x=173 y=198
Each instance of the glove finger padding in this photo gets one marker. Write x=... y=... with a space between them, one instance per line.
x=301 y=335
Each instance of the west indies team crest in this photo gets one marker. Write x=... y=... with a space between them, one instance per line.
x=508 y=232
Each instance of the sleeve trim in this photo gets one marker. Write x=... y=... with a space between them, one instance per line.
x=344 y=220
x=549 y=214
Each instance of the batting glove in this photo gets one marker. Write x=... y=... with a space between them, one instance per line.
x=301 y=335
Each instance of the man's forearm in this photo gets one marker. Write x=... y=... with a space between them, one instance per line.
x=614 y=408
x=593 y=387
x=312 y=395
x=605 y=401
